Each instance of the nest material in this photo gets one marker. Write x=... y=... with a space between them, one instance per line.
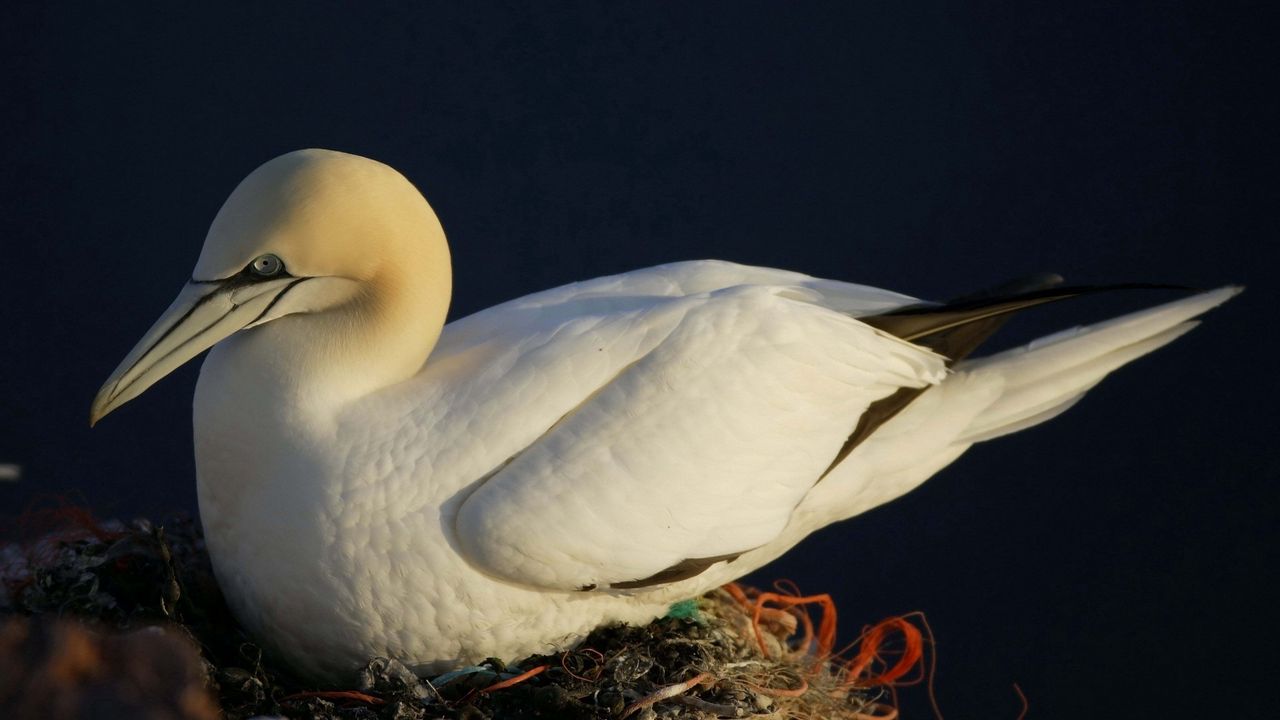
x=712 y=658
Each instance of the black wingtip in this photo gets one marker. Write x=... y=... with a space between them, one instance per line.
x=957 y=328
x=988 y=299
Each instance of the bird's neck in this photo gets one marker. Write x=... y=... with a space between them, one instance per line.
x=271 y=397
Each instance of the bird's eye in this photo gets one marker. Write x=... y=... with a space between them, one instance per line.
x=267 y=265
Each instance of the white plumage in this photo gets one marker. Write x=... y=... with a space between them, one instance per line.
x=373 y=482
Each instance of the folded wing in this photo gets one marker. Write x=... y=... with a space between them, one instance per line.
x=694 y=451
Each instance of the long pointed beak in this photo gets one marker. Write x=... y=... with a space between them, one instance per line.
x=203 y=313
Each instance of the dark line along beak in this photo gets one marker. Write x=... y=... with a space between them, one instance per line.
x=203 y=313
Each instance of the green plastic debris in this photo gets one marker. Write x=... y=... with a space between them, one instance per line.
x=685 y=610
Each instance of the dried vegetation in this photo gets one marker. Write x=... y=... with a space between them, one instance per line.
x=732 y=654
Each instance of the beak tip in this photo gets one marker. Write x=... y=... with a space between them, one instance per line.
x=100 y=408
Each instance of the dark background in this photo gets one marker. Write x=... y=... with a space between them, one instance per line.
x=1114 y=562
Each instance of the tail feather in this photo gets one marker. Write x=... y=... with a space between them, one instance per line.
x=992 y=396
x=1049 y=412
x=1044 y=377
x=1061 y=350
x=1024 y=406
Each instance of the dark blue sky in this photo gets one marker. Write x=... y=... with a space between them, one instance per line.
x=1110 y=561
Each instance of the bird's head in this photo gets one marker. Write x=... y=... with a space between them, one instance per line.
x=310 y=232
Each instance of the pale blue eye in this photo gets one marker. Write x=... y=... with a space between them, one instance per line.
x=267 y=265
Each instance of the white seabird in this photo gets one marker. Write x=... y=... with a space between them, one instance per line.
x=375 y=482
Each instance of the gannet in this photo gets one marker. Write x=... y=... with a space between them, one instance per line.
x=374 y=482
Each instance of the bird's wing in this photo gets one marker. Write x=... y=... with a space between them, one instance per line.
x=643 y=437
x=672 y=280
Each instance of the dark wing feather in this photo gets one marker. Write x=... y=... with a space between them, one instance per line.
x=955 y=329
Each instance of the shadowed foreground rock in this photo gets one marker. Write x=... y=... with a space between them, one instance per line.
x=58 y=670
x=704 y=661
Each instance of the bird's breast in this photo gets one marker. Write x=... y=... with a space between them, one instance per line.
x=294 y=554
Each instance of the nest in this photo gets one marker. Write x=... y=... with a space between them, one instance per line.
x=731 y=654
